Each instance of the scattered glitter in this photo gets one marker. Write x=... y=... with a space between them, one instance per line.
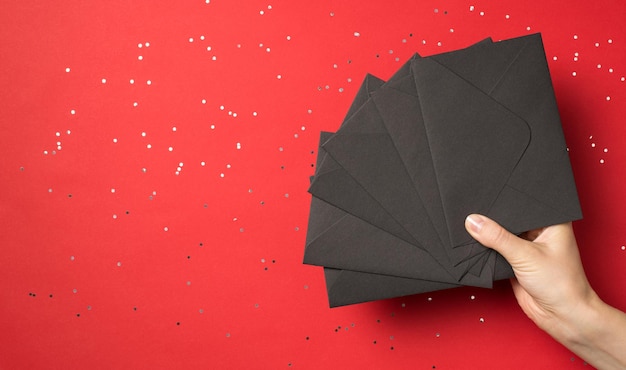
x=67 y=70
x=357 y=34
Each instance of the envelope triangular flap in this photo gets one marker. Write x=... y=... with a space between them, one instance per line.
x=321 y=218
x=363 y=147
x=403 y=71
x=370 y=84
x=350 y=243
x=475 y=142
x=337 y=187
x=483 y=64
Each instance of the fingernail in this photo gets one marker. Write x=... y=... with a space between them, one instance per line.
x=475 y=222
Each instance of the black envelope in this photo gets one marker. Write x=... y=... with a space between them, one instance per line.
x=474 y=130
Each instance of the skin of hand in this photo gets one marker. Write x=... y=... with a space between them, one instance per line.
x=552 y=289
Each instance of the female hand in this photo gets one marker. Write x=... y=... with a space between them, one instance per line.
x=553 y=291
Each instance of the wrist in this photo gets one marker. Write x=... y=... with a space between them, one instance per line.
x=583 y=324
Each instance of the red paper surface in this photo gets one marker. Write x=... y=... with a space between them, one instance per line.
x=156 y=160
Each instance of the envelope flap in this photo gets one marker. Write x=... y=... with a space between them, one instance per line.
x=475 y=142
x=363 y=147
x=489 y=61
x=370 y=84
x=337 y=187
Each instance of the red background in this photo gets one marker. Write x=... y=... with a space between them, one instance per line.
x=116 y=255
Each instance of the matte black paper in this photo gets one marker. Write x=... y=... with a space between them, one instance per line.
x=475 y=130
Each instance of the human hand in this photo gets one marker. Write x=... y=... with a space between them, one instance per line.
x=551 y=282
x=553 y=291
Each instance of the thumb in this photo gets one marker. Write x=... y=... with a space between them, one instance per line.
x=488 y=233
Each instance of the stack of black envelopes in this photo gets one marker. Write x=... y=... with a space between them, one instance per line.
x=475 y=130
